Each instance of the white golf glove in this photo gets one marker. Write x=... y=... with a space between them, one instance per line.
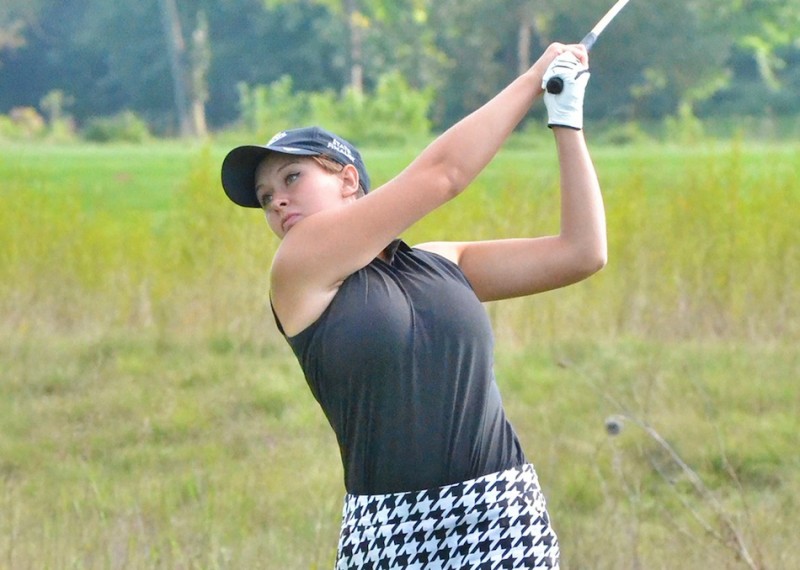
x=565 y=109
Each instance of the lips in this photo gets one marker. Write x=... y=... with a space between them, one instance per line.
x=289 y=220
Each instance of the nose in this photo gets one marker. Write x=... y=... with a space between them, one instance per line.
x=279 y=202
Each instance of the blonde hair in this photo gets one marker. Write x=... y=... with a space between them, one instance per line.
x=328 y=164
x=334 y=167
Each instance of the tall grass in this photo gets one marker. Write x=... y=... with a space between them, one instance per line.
x=105 y=264
x=703 y=242
x=151 y=417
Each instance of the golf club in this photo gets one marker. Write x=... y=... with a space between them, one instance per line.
x=555 y=85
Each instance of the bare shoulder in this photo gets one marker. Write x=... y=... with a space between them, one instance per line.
x=507 y=268
x=450 y=250
x=297 y=299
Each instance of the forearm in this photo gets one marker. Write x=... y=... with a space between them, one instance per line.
x=583 y=224
x=462 y=151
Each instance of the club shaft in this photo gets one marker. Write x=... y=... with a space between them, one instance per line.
x=588 y=40
x=556 y=84
x=591 y=37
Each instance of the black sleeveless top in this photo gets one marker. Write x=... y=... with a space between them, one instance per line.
x=401 y=364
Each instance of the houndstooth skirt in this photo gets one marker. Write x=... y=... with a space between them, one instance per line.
x=498 y=521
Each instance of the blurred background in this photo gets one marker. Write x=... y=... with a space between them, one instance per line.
x=151 y=415
x=93 y=68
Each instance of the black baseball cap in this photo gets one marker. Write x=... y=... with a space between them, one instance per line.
x=239 y=166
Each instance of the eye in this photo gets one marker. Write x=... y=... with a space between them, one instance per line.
x=265 y=199
x=291 y=177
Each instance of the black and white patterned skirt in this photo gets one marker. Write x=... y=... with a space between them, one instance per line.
x=498 y=521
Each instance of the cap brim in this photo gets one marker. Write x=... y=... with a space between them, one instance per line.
x=239 y=171
x=239 y=174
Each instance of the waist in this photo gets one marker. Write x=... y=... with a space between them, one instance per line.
x=484 y=498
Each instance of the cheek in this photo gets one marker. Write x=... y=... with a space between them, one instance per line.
x=273 y=223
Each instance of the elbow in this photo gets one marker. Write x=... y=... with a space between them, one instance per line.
x=599 y=261
x=444 y=176
x=598 y=257
x=452 y=180
x=589 y=250
x=589 y=261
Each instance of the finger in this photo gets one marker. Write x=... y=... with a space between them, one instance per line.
x=553 y=51
x=580 y=51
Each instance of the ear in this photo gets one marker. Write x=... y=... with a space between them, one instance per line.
x=349 y=181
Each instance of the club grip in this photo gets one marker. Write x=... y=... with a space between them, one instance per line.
x=588 y=40
x=555 y=85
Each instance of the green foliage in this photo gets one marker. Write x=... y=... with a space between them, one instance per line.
x=152 y=417
x=123 y=127
x=60 y=125
x=22 y=123
x=684 y=128
x=54 y=103
x=622 y=133
x=8 y=129
x=266 y=109
x=26 y=123
x=394 y=113
x=164 y=452
x=699 y=236
x=112 y=56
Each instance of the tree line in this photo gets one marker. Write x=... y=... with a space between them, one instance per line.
x=181 y=65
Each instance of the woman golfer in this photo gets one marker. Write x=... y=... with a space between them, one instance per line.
x=393 y=340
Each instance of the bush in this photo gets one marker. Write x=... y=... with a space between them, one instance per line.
x=621 y=133
x=7 y=128
x=266 y=109
x=394 y=113
x=22 y=123
x=123 y=127
x=684 y=128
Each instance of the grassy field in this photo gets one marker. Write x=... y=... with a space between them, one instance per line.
x=151 y=416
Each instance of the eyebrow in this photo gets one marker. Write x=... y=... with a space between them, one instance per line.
x=287 y=164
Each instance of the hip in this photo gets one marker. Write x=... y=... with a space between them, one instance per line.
x=500 y=517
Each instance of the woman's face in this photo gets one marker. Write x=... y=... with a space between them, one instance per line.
x=291 y=188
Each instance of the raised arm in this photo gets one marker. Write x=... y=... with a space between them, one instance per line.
x=325 y=248
x=463 y=151
x=503 y=269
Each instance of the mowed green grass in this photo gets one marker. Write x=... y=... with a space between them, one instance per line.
x=152 y=417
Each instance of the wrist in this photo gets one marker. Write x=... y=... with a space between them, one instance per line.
x=565 y=131
x=568 y=140
x=533 y=80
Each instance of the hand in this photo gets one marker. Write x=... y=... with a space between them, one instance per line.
x=565 y=108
